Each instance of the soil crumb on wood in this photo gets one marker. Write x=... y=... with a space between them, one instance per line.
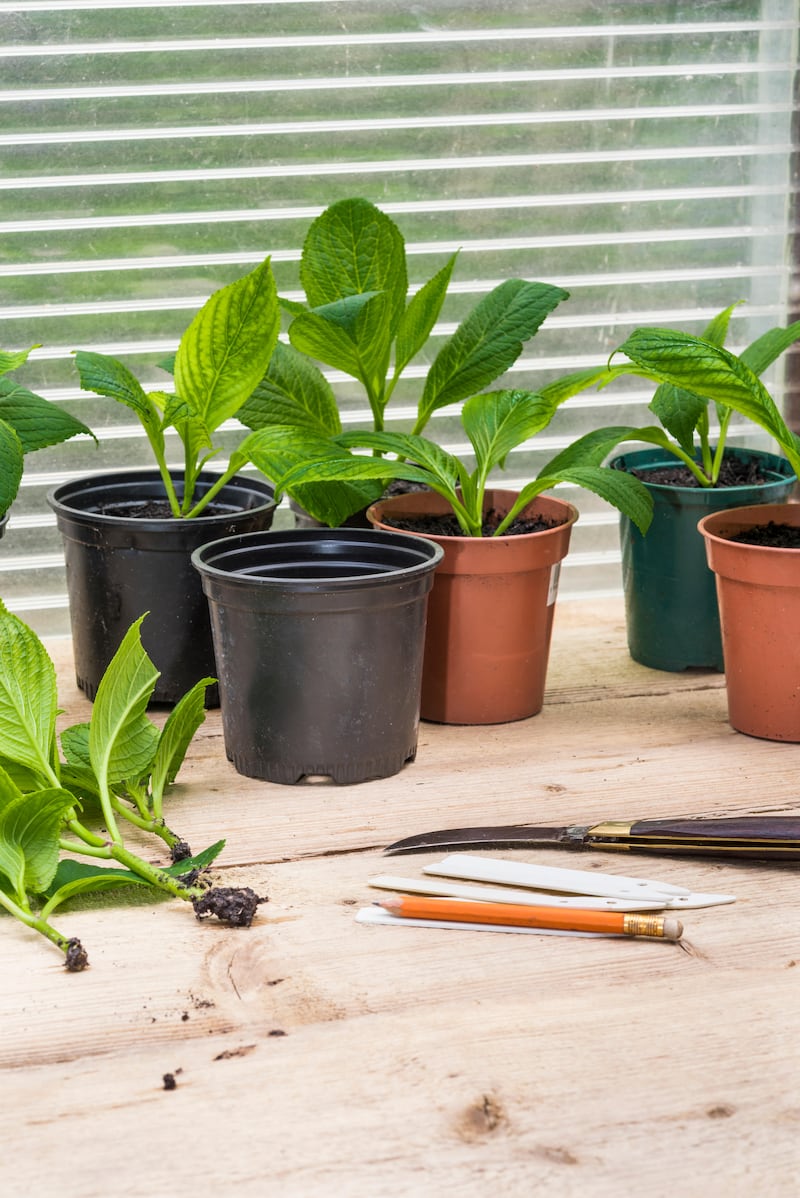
x=734 y=473
x=448 y=526
x=231 y=905
x=76 y=958
x=772 y=535
x=229 y=1053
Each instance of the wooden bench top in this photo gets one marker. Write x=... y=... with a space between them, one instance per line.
x=315 y=1056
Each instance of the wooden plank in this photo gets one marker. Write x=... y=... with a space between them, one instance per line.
x=589 y=657
x=411 y=1057
x=161 y=953
x=412 y=1060
x=597 y=750
x=521 y=1095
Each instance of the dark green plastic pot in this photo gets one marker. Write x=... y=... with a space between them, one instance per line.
x=670 y=594
x=319 y=638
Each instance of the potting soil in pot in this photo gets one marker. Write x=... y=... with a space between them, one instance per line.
x=774 y=535
x=734 y=472
x=448 y=526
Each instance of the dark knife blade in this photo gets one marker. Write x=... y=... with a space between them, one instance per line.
x=751 y=837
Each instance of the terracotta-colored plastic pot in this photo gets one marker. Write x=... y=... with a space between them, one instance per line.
x=759 y=604
x=490 y=613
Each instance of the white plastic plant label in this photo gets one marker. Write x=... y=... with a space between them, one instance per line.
x=552 y=590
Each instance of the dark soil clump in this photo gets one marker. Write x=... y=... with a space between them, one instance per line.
x=76 y=958
x=231 y=905
x=448 y=526
x=180 y=851
x=771 y=535
x=152 y=509
x=192 y=878
x=144 y=509
x=734 y=473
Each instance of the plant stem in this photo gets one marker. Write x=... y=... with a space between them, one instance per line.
x=465 y=519
x=85 y=834
x=138 y=796
x=166 y=478
x=152 y=824
x=517 y=507
x=375 y=398
x=212 y=491
x=38 y=924
x=705 y=447
x=720 y=450
x=86 y=850
x=703 y=478
x=156 y=877
x=106 y=803
x=112 y=848
x=191 y=472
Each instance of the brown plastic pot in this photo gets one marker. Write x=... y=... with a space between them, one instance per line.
x=490 y=613
x=758 y=589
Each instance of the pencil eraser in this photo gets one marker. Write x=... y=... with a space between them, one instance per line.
x=673 y=929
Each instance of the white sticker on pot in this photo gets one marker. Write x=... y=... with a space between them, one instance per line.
x=553 y=588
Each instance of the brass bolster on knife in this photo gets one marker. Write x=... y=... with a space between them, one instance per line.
x=613 y=829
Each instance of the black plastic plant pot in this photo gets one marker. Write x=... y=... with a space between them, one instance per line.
x=319 y=637
x=121 y=565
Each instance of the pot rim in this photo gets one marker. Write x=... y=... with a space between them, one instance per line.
x=423 y=558
x=662 y=456
x=749 y=516
x=492 y=494
x=58 y=497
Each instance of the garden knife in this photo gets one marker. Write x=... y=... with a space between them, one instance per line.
x=757 y=837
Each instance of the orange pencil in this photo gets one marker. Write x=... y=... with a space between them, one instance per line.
x=517 y=916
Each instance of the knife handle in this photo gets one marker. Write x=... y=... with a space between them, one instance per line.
x=754 y=836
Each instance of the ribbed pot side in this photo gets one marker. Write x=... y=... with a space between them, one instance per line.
x=319 y=637
x=490 y=613
x=671 y=610
x=121 y=566
x=759 y=601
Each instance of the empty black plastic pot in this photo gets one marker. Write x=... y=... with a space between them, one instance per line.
x=319 y=637
x=122 y=565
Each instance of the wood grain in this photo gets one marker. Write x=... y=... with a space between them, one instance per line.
x=312 y=1055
